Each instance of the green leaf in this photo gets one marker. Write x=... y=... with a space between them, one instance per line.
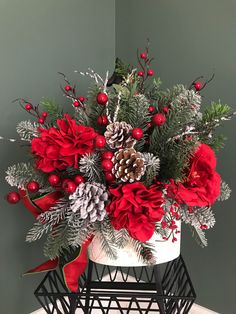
x=125 y=93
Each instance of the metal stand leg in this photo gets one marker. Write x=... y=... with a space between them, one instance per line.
x=159 y=289
x=88 y=287
x=73 y=304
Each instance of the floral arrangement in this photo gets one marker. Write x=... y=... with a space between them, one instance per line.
x=130 y=161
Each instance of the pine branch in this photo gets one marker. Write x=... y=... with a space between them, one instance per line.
x=144 y=251
x=136 y=112
x=121 y=238
x=108 y=239
x=27 y=130
x=78 y=230
x=225 y=192
x=81 y=116
x=155 y=92
x=199 y=236
x=174 y=154
x=57 y=240
x=152 y=165
x=90 y=167
x=198 y=217
x=20 y=174
x=47 y=220
x=51 y=108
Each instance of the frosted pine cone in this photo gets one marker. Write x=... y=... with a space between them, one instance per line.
x=89 y=200
x=118 y=135
x=128 y=165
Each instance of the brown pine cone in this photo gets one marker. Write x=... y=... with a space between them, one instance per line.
x=128 y=165
x=118 y=135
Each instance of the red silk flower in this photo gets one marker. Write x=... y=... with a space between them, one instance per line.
x=202 y=186
x=136 y=208
x=60 y=147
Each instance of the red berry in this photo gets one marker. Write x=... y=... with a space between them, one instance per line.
x=76 y=103
x=149 y=125
x=107 y=165
x=143 y=55
x=69 y=186
x=198 y=85
x=79 y=179
x=151 y=109
x=204 y=227
x=102 y=120
x=137 y=133
x=164 y=224
x=41 y=120
x=140 y=73
x=102 y=98
x=44 y=114
x=28 y=106
x=109 y=177
x=100 y=141
x=81 y=98
x=33 y=186
x=150 y=72
x=54 y=179
x=107 y=155
x=165 y=109
x=13 y=197
x=67 y=88
x=159 y=119
x=174 y=239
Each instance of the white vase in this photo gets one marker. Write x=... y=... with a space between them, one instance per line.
x=165 y=251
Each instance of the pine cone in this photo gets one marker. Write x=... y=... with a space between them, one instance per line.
x=128 y=165
x=118 y=135
x=89 y=201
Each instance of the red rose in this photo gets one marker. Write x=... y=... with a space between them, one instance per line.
x=60 y=147
x=202 y=186
x=136 y=208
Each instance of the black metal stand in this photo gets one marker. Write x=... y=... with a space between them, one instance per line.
x=129 y=290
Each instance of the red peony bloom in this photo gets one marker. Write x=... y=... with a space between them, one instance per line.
x=58 y=148
x=202 y=186
x=136 y=208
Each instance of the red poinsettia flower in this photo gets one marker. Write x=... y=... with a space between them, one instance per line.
x=202 y=185
x=136 y=208
x=60 y=147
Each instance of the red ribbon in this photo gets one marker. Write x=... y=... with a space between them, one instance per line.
x=40 y=205
x=46 y=266
x=71 y=270
x=74 y=269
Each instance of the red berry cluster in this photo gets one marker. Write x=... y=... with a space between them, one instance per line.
x=107 y=165
x=68 y=185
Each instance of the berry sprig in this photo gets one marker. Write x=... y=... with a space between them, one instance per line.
x=69 y=91
x=198 y=85
x=144 y=62
x=32 y=110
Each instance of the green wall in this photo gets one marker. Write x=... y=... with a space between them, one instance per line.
x=38 y=39
x=189 y=39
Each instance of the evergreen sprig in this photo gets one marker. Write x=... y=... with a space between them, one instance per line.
x=52 y=108
x=199 y=235
x=27 y=130
x=20 y=174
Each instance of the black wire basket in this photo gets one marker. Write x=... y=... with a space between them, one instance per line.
x=165 y=288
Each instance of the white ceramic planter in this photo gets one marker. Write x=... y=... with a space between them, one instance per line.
x=165 y=250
